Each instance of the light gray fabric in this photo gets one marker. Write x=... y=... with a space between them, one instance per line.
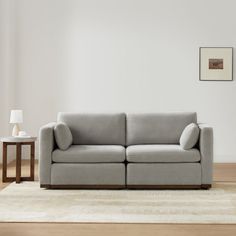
x=189 y=136
x=95 y=129
x=206 y=150
x=90 y=153
x=141 y=129
x=46 y=146
x=161 y=153
x=164 y=174
x=63 y=135
x=88 y=174
x=159 y=128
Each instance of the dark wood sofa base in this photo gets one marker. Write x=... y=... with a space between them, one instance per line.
x=173 y=187
x=206 y=186
x=48 y=186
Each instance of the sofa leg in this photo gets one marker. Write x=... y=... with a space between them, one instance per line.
x=206 y=186
x=48 y=186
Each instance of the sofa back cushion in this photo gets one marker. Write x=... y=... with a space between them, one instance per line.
x=157 y=128
x=95 y=129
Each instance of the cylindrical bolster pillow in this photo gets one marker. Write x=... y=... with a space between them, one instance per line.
x=189 y=136
x=63 y=136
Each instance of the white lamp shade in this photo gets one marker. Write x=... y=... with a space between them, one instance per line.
x=16 y=117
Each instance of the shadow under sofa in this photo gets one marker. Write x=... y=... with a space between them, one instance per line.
x=117 y=151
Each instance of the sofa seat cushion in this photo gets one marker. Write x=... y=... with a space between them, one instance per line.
x=161 y=153
x=90 y=154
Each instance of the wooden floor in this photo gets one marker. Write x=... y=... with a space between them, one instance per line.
x=222 y=173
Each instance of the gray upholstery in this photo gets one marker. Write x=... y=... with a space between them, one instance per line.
x=63 y=136
x=90 y=153
x=164 y=174
x=95 y=129
x=46 y=146
x=161 y=153
x=119 y=150
x=206 y=150
x=88 y=174
x=189 y=136
x=160 y=128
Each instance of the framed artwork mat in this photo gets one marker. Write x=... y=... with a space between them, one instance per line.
x=216 y=63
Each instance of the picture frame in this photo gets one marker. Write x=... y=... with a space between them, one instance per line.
x=216 y=63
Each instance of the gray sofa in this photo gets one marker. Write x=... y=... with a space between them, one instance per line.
x=126 y=151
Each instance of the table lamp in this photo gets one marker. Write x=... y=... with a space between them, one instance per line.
x=16 y=118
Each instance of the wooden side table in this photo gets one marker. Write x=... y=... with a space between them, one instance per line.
x=18 y=142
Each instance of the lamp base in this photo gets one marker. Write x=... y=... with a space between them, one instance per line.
x=15 y=131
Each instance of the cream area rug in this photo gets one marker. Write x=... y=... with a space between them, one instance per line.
x=26 y=202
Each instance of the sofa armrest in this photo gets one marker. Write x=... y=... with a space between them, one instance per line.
x=46 y=146
x=206 y=151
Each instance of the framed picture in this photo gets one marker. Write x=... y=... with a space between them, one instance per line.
x=216 y=63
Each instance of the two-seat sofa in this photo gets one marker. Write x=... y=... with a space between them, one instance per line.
x=126 y=151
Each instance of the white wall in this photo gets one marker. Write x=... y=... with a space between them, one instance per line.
x=7 y=66
x=124 y=55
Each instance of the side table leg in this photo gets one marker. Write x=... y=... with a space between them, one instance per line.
x=32 y=157
x=4 y=162
x=18 y=162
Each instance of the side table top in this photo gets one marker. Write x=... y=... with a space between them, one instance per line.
x=12 y=139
